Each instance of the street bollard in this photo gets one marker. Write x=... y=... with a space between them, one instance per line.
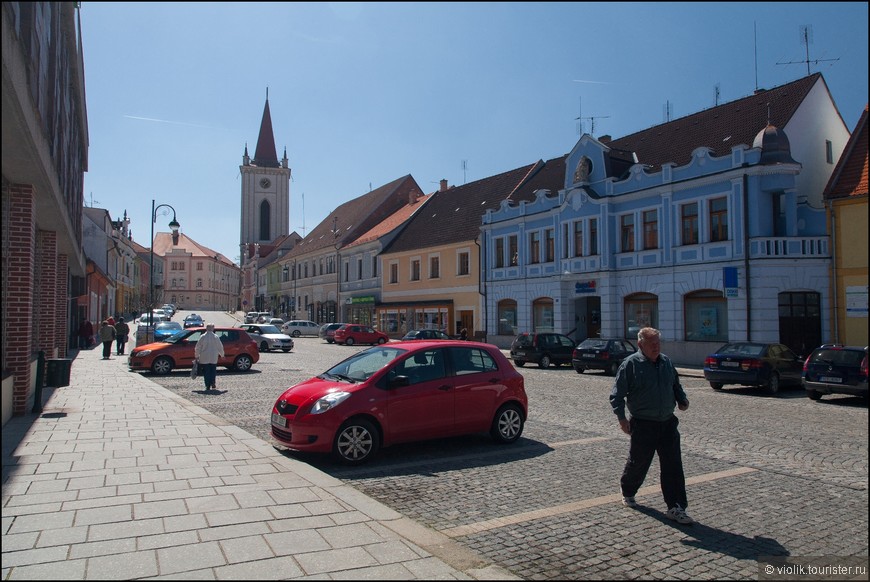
x=40 y=380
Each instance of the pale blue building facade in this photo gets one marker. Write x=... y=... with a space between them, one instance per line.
x=721 y=248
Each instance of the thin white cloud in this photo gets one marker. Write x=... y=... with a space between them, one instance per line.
x=592 y=82
x=167 y=121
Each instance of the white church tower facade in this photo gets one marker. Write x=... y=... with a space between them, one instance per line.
x=265 y=180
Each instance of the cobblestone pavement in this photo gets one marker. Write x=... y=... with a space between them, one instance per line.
x=767 y=476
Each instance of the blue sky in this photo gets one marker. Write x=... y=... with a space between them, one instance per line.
x=362 y=94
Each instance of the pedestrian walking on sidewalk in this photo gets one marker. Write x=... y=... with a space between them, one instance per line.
x=649 y=385
x=86 y=334
x=122 y=332
x=208 y=349
x=107 y=336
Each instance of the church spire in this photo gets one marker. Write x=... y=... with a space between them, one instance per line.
x=266 y=156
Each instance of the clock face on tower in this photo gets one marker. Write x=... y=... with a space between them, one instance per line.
x=265 y=182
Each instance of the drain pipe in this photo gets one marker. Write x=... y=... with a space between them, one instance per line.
x=834 y=283
x=481 y=281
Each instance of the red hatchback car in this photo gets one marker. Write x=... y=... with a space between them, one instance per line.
x=177 y=351
x=352 y=333
x=403 y=392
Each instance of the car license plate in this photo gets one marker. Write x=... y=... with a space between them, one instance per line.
x=831 y=379
x=588 y=355
x=278 y=420
x=730 y=364
x=521 y=353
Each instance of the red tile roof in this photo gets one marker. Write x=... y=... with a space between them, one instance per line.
x=850 y=175
x=718 y=128
x=356 y=217
x=460 y=207
x=392 y=222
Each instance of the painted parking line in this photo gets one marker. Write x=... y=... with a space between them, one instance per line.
x=481 y=526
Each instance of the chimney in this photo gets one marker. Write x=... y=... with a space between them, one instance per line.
x=443 y=185
x=605 y=139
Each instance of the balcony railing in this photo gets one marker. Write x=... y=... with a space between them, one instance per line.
x=793 y=247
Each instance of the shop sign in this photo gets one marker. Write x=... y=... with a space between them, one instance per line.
x=584 y=287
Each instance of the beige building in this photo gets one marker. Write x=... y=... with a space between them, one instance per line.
x=430 y=275
x=846 y=201
x=195 y=276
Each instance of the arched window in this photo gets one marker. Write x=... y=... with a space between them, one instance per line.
x=542 y=314
x=265 y=220
x=507 y=317
x=706 y=316
x=641 y=310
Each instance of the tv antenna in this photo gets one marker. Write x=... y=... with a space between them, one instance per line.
x=806 y=33
x=303 y=215
x=591 y=118
x=667 y=111
x=717 y=94
x=464 y=170
x=93 y=201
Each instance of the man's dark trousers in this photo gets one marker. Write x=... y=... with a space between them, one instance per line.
x=649 y=437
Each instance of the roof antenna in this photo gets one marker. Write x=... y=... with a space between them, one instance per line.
x=717 y=94
x=806 y=32
x=464 y=170
x=755 y=33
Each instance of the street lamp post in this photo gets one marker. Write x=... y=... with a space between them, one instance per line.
x=174 y=226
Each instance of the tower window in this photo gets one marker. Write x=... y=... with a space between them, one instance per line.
x=265 y=220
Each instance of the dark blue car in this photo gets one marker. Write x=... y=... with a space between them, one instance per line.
x=764 y=365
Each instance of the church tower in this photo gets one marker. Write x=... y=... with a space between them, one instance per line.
x=265 y=189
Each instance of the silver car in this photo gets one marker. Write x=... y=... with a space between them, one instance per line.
x=299 y=327
x=268 y=337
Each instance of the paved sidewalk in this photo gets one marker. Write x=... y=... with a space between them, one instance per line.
x=119 y=478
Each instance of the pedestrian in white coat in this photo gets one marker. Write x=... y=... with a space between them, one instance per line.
x=208 y=350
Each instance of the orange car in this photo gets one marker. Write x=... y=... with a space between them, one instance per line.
x=161 y=357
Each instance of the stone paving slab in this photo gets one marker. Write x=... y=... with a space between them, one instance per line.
x=120 y=478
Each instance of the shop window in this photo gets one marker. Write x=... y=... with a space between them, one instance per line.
x=641 y=310
x=542 y=314
x=706 y=316
x=507 y=317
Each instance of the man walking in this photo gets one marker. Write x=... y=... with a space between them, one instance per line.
x=649 y=384
x=208 y=350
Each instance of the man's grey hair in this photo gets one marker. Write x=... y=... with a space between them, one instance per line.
x=648 y=333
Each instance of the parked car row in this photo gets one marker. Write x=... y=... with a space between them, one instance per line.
x=829 y=369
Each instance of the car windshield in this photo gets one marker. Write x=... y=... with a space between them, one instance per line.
x=269 y=329
x=741 y=350
x=593 y=344
x=182 y=335
x=362 y=365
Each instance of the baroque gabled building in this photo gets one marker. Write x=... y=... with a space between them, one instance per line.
x=710 y=227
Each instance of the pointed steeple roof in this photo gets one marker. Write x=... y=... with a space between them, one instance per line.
x=266 y=155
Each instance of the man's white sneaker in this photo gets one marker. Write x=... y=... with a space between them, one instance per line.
x=679 y=515
x=629 y=501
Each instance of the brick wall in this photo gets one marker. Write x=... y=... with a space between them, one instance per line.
x=18 y=283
